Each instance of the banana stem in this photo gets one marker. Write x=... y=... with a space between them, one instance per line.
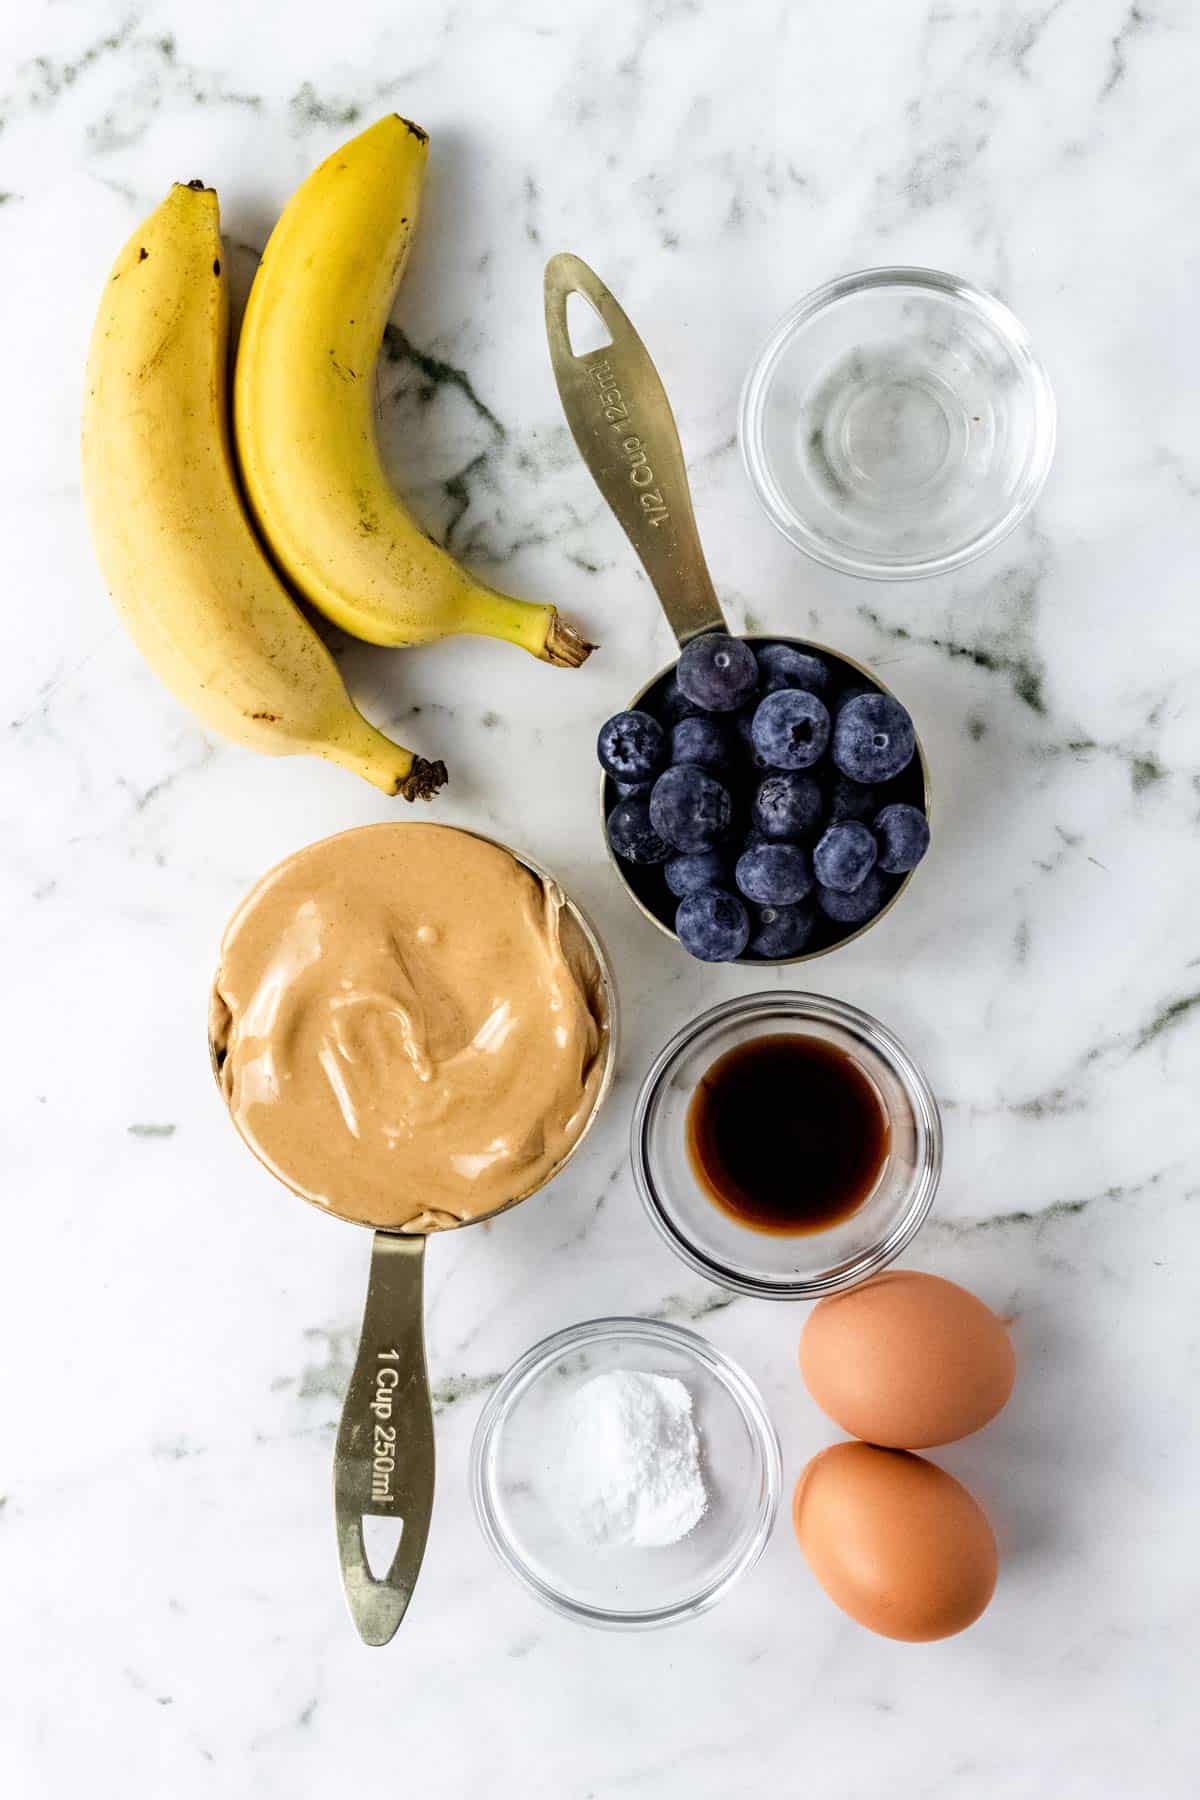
x=531 y=625
x=564 y=647
x=367 y=752
x=423 y=780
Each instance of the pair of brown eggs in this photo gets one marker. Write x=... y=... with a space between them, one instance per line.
x=904 y=1362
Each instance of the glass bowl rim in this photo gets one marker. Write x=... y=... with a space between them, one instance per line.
x=520 y=1377
x=794 y=1003
x=752 y=404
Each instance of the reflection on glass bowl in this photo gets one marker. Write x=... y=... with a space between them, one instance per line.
x=625 y=1587
x=793 y=1267
x=898 y=423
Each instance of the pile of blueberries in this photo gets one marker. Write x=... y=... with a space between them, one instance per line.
x=764 y=800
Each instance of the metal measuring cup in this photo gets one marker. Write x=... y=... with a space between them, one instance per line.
x=621 y=420
x=393 y=1478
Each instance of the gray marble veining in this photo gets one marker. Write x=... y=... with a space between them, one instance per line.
x=175 y=1333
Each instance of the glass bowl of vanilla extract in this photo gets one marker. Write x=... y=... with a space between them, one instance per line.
x=786 y=1145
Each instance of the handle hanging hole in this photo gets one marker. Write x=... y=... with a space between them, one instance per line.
x=586 y=330
x=381 y=1540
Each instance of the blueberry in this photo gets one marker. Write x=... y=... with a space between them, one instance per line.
x=783 y=666
x=690 y=809
x=712 y=925
x=850 y=800
x=790 y=729
x=625 y=790
x=903 y=834
x=855 y=908
x=717 y=672
x=631 y=747
x=703 y=742
x=774 y=874
x=743 y=725
x=873 y=738
x=672 y=704
x=782 y=930
x=845 y=856
x=632 y=835
x=787 y=805
x=687 y=874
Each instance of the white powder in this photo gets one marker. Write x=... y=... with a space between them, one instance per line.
x=626 y=1467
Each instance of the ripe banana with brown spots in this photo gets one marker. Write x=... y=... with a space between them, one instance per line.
x=187 y=574
x=304 y=414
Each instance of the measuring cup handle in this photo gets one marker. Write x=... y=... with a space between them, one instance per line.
x=621 y=419
x=383 y=1462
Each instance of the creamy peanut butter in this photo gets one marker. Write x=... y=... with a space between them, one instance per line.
x=410 y=1026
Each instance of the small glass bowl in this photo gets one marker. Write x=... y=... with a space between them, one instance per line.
x=618 y=1587
x=898 y=423
x=801 y=1266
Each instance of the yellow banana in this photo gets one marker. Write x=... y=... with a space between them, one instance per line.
x=304 y=398
x=187 y=574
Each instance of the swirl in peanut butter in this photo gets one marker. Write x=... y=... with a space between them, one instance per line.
x=411 y=1027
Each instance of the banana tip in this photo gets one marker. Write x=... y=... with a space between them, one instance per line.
x=417 y=131
x=423 y=780
x=564 y=647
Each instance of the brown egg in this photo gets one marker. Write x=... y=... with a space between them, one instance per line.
x=895 y=1541
x=907 y=1360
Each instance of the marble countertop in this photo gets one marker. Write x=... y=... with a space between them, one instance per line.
x=175 y=1333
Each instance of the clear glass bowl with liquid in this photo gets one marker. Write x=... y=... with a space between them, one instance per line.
x=898 y=423
x=786 y=1266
